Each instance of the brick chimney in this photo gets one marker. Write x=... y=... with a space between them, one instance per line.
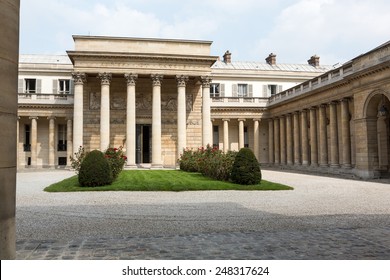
x=227 y=57
x=314 y=61
x=271 y=59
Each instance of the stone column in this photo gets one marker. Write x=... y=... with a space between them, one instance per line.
x=297 y=146
x=334 y=142
x=313 y=137
x=105 y=79
x=206 y=114
x=345 y=134
x=305 y=139
x=323 y=137
x=225 y=135
x=9 y=52
x=52 y=144
x=156 y=121
x=79 y=80
x=69 y=141
x=241 y=133
x=289 y=139
x=181 y=114
x=131 y=120
x=17 y=142
x=283 y=140
x=276 y=141
x=256 y=138
x=271 y=153
x=34 y=140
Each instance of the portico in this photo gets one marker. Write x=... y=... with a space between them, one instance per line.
x=123 y=82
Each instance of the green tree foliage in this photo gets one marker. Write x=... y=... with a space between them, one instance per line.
x=95 y=170
x=246 y=168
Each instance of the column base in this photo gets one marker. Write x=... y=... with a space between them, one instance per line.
x=347 y=166
x=156 y=166
x=130 y=166
x=334 y=165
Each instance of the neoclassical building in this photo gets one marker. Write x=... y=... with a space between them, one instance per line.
x=155 y=97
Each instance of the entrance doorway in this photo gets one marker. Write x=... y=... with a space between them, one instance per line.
x=143 y=143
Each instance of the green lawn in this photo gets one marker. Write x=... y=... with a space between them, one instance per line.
x=161 y=180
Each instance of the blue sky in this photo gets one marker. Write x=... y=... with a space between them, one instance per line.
x=336 y=30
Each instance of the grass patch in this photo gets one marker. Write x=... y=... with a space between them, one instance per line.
x=162 y=180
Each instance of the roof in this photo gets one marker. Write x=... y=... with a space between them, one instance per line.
x=44 y=59
x=267 y=67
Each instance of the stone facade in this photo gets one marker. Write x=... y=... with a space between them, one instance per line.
x=155 y=97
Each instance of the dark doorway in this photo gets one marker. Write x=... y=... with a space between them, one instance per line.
x=143 y=143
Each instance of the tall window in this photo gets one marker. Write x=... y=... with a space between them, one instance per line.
x=61 y=137
x=246 y=137
x=64 y=86
x=216 y=136
x=242 y=90
x=27 y=134
x=214 y=90
x=31 y=86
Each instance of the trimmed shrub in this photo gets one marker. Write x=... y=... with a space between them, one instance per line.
x=95 y=170
x=246 y=168
x=116 y=159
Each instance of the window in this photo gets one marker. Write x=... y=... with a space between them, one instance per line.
x=246 y=137
x=242 y=90
x=62 y=161
x=272 y=89
x=216 y=136
x=27 y=143
x=61 y=138
x=64 y=86
x=31 y=86
x=214 y=90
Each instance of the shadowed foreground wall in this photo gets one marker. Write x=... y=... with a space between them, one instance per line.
x=9 y=49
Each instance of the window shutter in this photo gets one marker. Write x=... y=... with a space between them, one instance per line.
x=39 y=86
x=234 y=90
x=55 y=86
x=250 y=88
x=265 y=90
x=222 y=90
x=71 y=86
x=280 y=88
x=20 y=86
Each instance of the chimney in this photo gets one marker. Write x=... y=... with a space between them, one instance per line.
x=271 y=59
x=314 y=61
x=227 y=57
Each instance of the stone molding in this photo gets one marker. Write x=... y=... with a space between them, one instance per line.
x=156 y=79
x=105 y=78
x=131 y=79
x=79 y=78
x=206 y=80
x=181 y=80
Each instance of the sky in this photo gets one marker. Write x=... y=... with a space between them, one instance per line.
x=294 y=30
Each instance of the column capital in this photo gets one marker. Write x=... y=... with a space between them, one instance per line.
x=304 y=110
x=79 y=78
x=345 y=99
x=227 y=120
x=156 y=79
x=181 y=80
x=313 y=108
x=105 y=78
x=257 y=120
x=33 y=118
x=131 y=79
x=51 y=117
x=206 y=80
x=241 y=120
x=334 y=102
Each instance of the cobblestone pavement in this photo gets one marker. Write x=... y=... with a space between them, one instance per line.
x=322 y=218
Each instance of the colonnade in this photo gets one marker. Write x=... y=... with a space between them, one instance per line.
x=300 y=138
x=34 y=132
x=131 y=79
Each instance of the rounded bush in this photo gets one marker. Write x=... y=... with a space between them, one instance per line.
x=95 y=170
x=246 y=168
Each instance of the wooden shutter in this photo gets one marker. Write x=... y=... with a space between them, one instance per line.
x=55 y=86
x=20 y=86
x=222 y=90
x=71 y=86
x=250 y=89
x=265 y=90
x=39 y=86
x=280 y=88
x=234 y=90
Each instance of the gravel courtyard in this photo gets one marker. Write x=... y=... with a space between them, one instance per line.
x=322 y=218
